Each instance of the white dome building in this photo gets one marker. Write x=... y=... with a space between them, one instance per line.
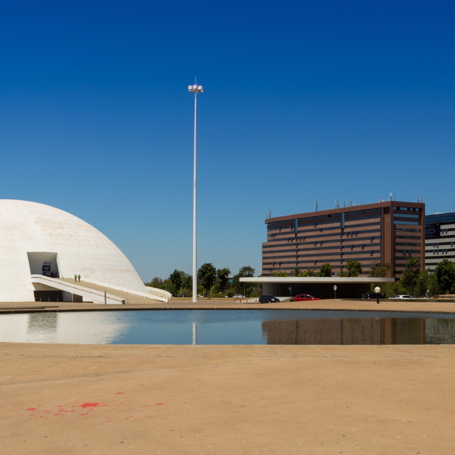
x=42 y=248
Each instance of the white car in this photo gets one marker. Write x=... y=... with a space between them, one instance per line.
x=403 y=297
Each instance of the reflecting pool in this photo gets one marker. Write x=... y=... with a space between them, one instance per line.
x=229 y=327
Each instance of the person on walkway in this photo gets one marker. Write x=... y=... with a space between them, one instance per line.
x=75 y=277
x=79 y=276
x=377 y=290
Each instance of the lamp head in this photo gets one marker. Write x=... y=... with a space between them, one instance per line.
x=195 y=88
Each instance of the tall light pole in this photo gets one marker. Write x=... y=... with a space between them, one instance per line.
x=195 y=89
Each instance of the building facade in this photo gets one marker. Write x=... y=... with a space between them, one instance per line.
x=439 y=239
x=388 y=231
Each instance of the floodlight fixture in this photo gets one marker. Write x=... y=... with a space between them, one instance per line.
x=195 y=88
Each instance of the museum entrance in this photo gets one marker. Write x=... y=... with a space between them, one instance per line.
x=43 y=263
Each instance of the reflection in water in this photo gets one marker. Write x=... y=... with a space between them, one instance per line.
x=41 y=323
x=346 y=331
x=228 y=327
x=439 y=331
x=80 y=328
x=194 y=333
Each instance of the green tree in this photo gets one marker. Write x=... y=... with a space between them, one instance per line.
x=379 y=269
x=187 y=283
x=354 y=268
x=298 y=273
x=427 y=285
x=326 y=270
x=246 y=271
x=445 y=273
x=390 y=289
x=176 y=280
x=433 y=285
x=411 y=275
x=207 y=276
x=244 y=288
x=223 y=280
x=157 y=282
x=310 y=272
x=280 y=274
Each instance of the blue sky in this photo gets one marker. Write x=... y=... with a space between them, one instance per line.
x=303 y=101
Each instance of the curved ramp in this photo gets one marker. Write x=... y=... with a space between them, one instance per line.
x=98 y=292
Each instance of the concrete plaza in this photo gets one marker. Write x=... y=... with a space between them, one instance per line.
x=275 y=399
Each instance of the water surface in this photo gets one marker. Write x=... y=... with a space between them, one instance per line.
x=244 y=327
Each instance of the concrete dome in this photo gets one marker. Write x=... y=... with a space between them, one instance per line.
x=36 y=239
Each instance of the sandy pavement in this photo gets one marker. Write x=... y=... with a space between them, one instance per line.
x=113 y=399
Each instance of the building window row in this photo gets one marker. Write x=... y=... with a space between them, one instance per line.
x=326 y=219
x=337 y=235
x=416 y=209
x=317 y=229
x=436 y=245
x=317 y=249
x=404 y=215
x=411 y=223
x=352 y=256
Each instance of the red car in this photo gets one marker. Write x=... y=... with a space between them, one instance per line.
x=304 y=297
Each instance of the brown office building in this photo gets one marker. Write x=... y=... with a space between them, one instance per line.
x=389 y=231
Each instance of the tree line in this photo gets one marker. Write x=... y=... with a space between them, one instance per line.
x=212 y=282
x=417 y=283
x=353 y=268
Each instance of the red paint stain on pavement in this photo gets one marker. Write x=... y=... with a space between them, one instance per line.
x=159 y=404
x=31 y=409
x=90 y=405
x=119 y=393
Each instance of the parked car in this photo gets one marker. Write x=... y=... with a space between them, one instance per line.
x=369 y=295
x=304 y=297
x=268 y=299
x=403 y=297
